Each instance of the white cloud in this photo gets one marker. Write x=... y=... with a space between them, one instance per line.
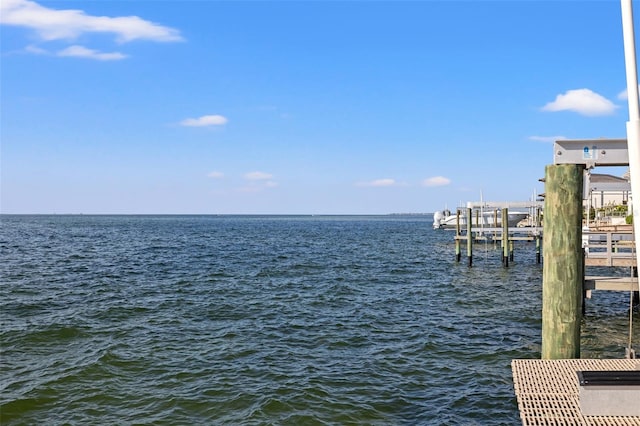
x=547 y=138
x=69 y=24
x=436 y=181
x=624 y=95
x=205 y=120
x=379 y=183
x=582 y=101
x=258 y=176
x=36 y=50
x=83 y=52
x=258 y=181
x=215 y=175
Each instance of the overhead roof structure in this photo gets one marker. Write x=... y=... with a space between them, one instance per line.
x=591 y=152
x=605 y=182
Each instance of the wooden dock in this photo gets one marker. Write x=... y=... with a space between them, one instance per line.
x=504 y=235
x=611 y=283
x=609 y=247
x=484 y=234
x=613 y=247
x=547 y=391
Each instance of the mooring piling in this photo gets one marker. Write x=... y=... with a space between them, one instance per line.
x=563 y=269
x=505 y=237
x=469 y=239
x=458 y=233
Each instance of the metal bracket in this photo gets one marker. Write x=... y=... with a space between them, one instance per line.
x=591 y=152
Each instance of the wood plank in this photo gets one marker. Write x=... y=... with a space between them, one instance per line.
x=611 y=283
x=609 y=261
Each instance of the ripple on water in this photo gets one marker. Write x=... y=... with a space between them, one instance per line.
x=265 y=320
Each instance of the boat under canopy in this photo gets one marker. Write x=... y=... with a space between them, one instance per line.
x=485 y=219
x=489 y=214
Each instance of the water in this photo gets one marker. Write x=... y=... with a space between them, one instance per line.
x=267 y=320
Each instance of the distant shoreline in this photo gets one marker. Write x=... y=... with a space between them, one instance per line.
x=215 y=214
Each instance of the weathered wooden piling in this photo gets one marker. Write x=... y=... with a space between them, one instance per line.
x=563 y=269
x=458 y=251
x=538 y=257
x=505 y=238
x=469 y=238
x=495 y=226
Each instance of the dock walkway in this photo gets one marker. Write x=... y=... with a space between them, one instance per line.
x=482 y=234
x=609 y=247
x=548 y=391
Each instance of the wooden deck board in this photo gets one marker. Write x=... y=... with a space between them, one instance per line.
x=611 y=283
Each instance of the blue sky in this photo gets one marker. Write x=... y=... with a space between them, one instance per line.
x=301 y=107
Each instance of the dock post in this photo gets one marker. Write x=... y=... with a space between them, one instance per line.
x=505 y=238
x=562 y=272
x=538 y=218
x=511 y=250
x=495 y=227
x=583 y=303
x=538 y=249
x=469 y=238
x=458 y=234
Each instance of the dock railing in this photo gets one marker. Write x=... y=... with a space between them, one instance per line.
x=609 y=247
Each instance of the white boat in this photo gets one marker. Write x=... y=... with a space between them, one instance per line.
x=479 y=218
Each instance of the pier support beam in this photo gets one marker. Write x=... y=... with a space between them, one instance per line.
x=469 y=239
x=458 y=233
x=505 y=238
x=562 y=274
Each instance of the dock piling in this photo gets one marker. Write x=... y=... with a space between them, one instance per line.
x=495 y=226
x=458 y=233
x=469 y=238
x=563 y=269
x=505 y=238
